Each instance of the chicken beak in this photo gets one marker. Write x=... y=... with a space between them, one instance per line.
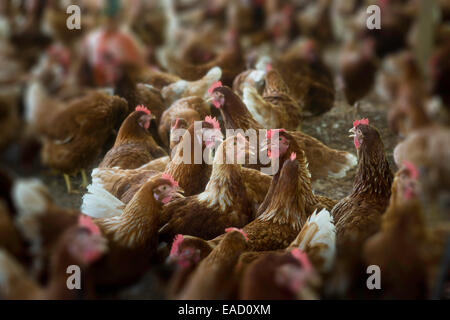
x=352 y=130
x=209 y=99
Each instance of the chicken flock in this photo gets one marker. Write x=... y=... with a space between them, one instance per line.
x=128 y=101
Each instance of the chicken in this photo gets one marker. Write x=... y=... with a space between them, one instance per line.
x=407 y=112
x=9 y=118
x=396 y=22
x=186 y=253
x=210 y=280
x=134 y=146
x=230 y=61
x=358 y=216
x=125 y=78
x=40 y=221
x=439 y=68
x=251 y=77
x=190 y=109
x=55 y=23
x=107 y=48
x=285 y=210
x=10 y=238
x=405 y=247
x=183 y=88
x=276 y=108
x=330 y=162
x=280 y=276
x=309 y=78
x=123 y=184
x=317 y=239
x=358 y=66
x=73 y=132
x=315 y=21
x=223 y=204
x=131 y=244
x=81 y=245
x=158 y=79
x=424 y=149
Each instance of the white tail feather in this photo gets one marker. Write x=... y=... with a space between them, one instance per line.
x=30 y=196
x=99 y=203
x=325 y=234
x=352 y=161
x=214 y=74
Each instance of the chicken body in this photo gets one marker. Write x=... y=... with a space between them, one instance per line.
x=79 y=130
x=323 y=161
x=134 y=145
x=211 y=279
x=276 y=108
x=190 y=109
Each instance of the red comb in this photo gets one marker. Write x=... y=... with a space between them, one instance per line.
x=143 y=109
x=362 y=121
x=302 y=257
x=86 y=222
x=269 y=67
x=238 y=230
x=170 y=178
x=293 y=156
x=216 y=84
x=269 y=132
x=212 y=121
x=176 y=244
x=411 y=168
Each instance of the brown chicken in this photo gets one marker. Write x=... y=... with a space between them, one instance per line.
x=280 y=276
x=223 y=204
x=315 y=21
x=190 y=109
x=75 y=134
x=316 y=238
x=323 y=161
x=134 y=144
x=9 y=118
x=123 y=184
x=309 y=79
x=131 y=244
x=230 y=61
x=10 y=238
x=358 y=216
x=198 y=88
x=80 y=245
x=440 y=70
x=186 y=253
x=40 y=221
x=211 y=279
x=157 y=78
x=405 y=248
x=407 y=112
x=397 y=19
x=358 y=66
x=424 y=148
x=275 y=108
x=285 y=210
x=126 y=86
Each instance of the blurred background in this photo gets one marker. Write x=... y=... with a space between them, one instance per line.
x=336 y=68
